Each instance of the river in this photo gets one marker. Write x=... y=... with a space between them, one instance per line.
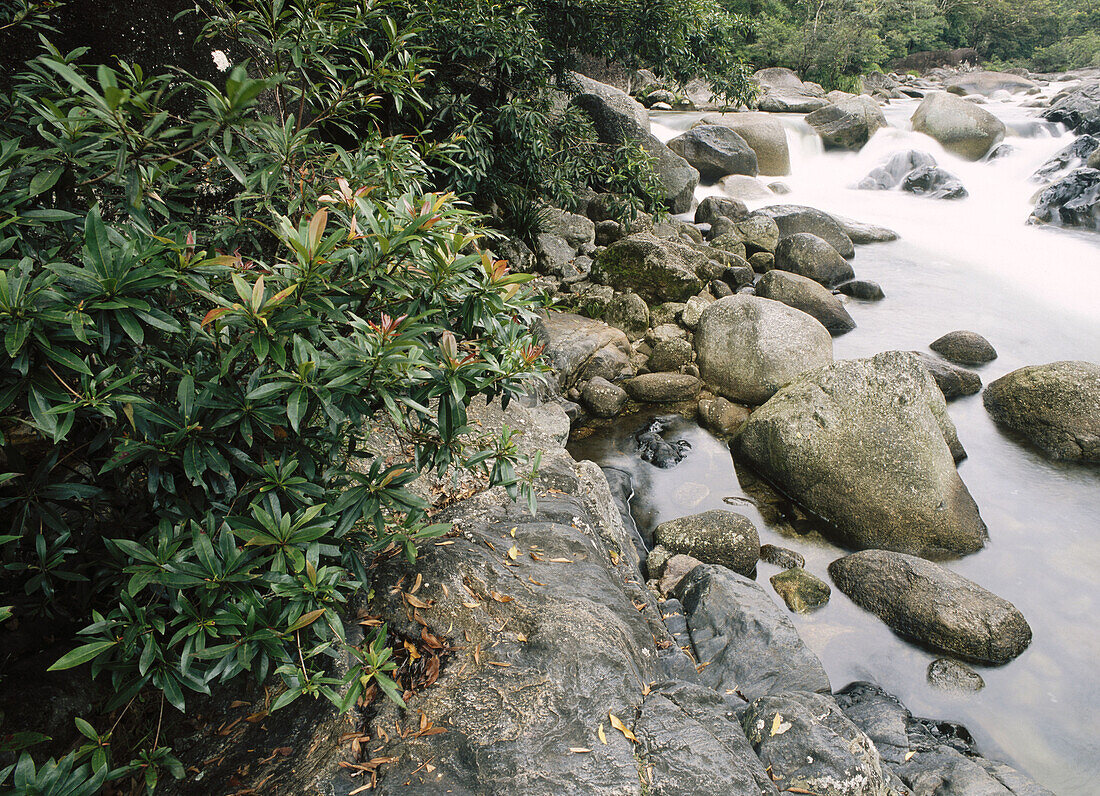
x=1034 y=292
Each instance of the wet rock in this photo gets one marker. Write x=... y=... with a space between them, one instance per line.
x=780 y=188
x=988 y=83
x=715 y=151
x=1002 y=150
x=691 y=742
x=602 y=398
x=960 y=126
x=715 y=537
x=866 y=445
x=862 y=289
x=793 y=219
x=748 y=347
x=663 y=388
x=1073 y=201
x=781 y=557
x=628 y=311
x=675 y=570
x=580 y=349
x=1055 y=406
x=747 y=189
x=808 y=255
x=801 y=591
x=890 y=174
x=809 y=296
x=951 y=675
x=807 y=743
x=964 y=348
x=784 y=92
x=749 y=645
x=655 y=449
x=953 y=381
x=764 y=133
x=1073 y=156
x=934 y=182
x=1078 y=108
x=944 y=771
x=722 y=417
x=713 y=208
x=847 y=124
x=656 y=269
x=860 y=232
x=925 y=601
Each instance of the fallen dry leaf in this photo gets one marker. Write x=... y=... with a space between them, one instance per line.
x=577 y=750
x=416 y=602
x=779 y=726
x=617 y=723
x=601 y=734
x=513 y=552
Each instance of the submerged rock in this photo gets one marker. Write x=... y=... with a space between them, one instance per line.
x=1055 y=406
x=934 y=182
x=781 y=556
x=927 y=602
x=1073 y=156
x=960 y=126
x=862 y=289
x=1073 y=201
x=812 y=257
x=951 y=675
x=801 y=591
x=890 y=174
x=655 y=449
x=964 y=348
x=715 y=537
x=867 y=446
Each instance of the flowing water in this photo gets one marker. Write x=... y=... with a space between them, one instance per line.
x=1034 y=292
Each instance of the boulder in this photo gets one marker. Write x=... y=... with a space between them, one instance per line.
x=577 y=230
x=628 y=311
x=879 y=84
x=713 y=208
x=953 y=381
x=759 y=233
x=1073 y=201
x=988 y=83
x=729 y=242
x=693 y=310
x=1056 y=407
x=714 y=537
x=861 y=232
x=867 y=446
x=655 y=268
x=1073 y=156
x=928 y=602
x=784 y=92
x=926 y=60
x=663 y=388
x=792 y=219
x=781 y=557
x=934 y=183
x=890 y=174
x=722 y=417
x=602 y=398
x=580 y=348
x=951 y=675
x=670 y=355
x=808 y=255
x=964 y=348
x=749 y=645
x=748 y=347
x=862 y=289
x=801 y=591
x=765 y=134
x=747 y=189
x=806 y=295
x=960 y=126
x=847 y=124
x=715 y=151
x=807 y=743
x=1078 y=108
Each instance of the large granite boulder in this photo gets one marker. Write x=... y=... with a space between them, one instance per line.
x=807 y=255
x=656 y=269
x=847 y=124
x=714 y=537
x=1055 y=406
x=988 y=83
x=960 y=126
x=867 y=446
x=765 y=134
x=810 y=746
x=953 y=381
x=792 y=219
x=928 y=602
x=806 y=295
x=758 y=232
x=964 y=348
x=1073 y=201
x=784 y=92
x=1078 y=108
x=715 y=151
x=747 y=642
x=580 y=348
x=891 y=173
x=748 y=347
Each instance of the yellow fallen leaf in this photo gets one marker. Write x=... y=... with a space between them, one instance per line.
x=779 y=726
x=513 y=532
x=600 y=732
x=578 y=750
x=908 y=756
x=513 y=551
x=614 y=556
x=617 y=723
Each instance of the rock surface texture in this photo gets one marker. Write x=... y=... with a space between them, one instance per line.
x=962 y=127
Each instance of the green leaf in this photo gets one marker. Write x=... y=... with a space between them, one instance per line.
x=81 y=655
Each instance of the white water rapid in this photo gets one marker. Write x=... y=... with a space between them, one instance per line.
x=1034 y=292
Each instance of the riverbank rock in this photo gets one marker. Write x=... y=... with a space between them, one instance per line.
x=764 y=134
x=580 y=348
x=964 y=348
x=809 y=745
x=750 y=646
x=721 y=416
x=934 y=183
x=670 y=355
x=629 y=312
x=713 y=208
x=1073 y=156
x=656 y=269
x=602 y=398
x=801 y=591
x=925 y=601
x=715 y=151
x=748 y=347
x=989 y=83
x=747 y=189
x=960 y=126
x=784 y=92
x=714 y=537
x=758 y=232
x=953 y=381
x=891 y=173
x=812 y=257
x=951 y=675
x=1073 y=201
x=862 y=289
x=793 y=219
x=663 y=388
x=806 y=295
x=861 y=232
x=1078 y=108
x=866 y=445
x=849 y=123
x=781 y=557
x=1055 y=406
